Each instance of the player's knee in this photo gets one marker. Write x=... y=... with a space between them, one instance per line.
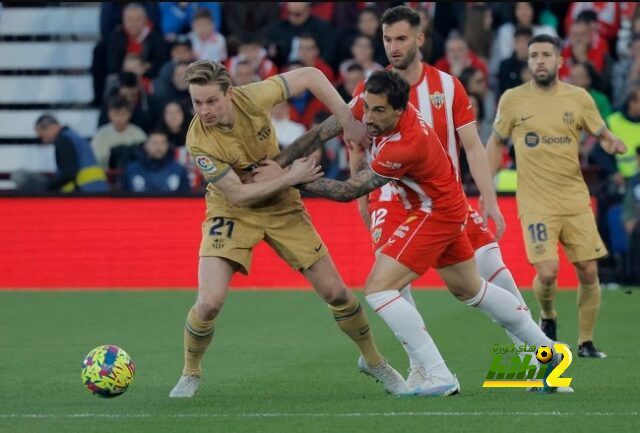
x=548 y=274
x=208 y=309
x=587 y=272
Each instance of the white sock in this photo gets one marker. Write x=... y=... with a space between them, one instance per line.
x=504 y=309
x=492 y=269
x=406 y=294
x=407 y=325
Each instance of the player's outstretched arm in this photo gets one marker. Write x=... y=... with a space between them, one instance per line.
x=315 y=81
x=247 y=194
x=359 y=184
x=481 y=173
x=310 y=141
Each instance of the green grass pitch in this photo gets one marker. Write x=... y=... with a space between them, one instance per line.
x=278 y=363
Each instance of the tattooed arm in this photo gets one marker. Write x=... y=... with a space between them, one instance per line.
x=359 y=184
x=310 y=141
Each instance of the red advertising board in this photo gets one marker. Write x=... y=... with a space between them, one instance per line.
x=140 y=243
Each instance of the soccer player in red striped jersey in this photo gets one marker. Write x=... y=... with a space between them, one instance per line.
x=444 y=105
x=407 y=155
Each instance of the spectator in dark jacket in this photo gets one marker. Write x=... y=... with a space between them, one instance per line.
x=509 y=75
x=174 y=89
x=137 y=36
x=285 y=34
x=243 y=19
x=111 y=15
x=158 y=171
x=78 y=170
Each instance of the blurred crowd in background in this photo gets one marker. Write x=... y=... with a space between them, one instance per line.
x=145 y=108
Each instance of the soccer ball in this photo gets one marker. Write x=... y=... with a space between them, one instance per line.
x=107 y=371
x=544 y=354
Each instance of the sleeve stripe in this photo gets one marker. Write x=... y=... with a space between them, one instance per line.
x=382 y=175
x=220 y=175
x=287 y=91
x=468 y=123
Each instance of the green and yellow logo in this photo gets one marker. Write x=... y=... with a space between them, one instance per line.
x=520 y=373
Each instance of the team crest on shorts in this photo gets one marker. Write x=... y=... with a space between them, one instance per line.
x=539 y=249
x=205 y=164
x=377 y=233
x=437 y=99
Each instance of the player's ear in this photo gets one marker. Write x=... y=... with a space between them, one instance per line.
x=420 y=39
x=560 y=61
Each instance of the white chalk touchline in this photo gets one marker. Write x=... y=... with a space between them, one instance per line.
x=306 y=415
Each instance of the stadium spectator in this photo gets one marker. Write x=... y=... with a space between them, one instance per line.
x=176 y=89
x=626 y=72
x=368 y=24
x=304 y=105
x=334 y=156
x=584 y=45
x=118 y=132
x=243 y=73
x=309 y=55
x=509 y=72
x=607 y=16
x=477 y=30
x=77 y=169
x=286 y=129
x=458 y=56
x=505 y=40
x=136 y=36
x=353 y=75
x=181 y=51
x=626 y=125
x=474 y=81
x=176 y=17
x=157 y=171
x=433 y=47
x=583 y=75
x=174 y=124
x=207 y=42
x=111 y=15
x=145 y=106
x=251 y=50
x=244 y=19
x=362 y=54
x=285 y=34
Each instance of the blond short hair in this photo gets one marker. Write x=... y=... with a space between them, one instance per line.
x=203 y=72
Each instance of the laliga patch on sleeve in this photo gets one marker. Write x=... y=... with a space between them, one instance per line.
x=205 y=164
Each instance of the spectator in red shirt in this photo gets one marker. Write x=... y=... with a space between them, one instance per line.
x=458 y=56
x=584 y=45
x=252 y=51
x=309 y=55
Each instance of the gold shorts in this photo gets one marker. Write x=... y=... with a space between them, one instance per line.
x=290 y=233
x=578 y=234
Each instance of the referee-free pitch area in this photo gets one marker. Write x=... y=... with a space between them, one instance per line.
x=278 y=363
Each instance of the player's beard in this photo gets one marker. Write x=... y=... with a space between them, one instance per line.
x=550 y=78
x=407 y=60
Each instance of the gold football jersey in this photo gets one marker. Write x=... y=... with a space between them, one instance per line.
x=251 y=140
x=545 y=127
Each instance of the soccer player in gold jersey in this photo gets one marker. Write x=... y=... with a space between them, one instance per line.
x=230 y=135
x=544 y=118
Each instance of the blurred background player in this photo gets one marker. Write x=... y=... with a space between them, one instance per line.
x=230 y=134
x=544 y=118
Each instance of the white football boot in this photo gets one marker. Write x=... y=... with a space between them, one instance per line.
x=391 y=380
x=186 y=387
x=436 y=385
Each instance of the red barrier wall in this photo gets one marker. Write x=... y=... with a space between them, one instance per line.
x=153 y=243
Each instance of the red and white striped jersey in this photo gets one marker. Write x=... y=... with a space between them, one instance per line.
x=423 y=178
x=442 y=102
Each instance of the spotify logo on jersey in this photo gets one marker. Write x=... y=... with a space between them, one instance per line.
x=531 y=139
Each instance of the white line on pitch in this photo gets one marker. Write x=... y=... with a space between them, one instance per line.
x=310 y=415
